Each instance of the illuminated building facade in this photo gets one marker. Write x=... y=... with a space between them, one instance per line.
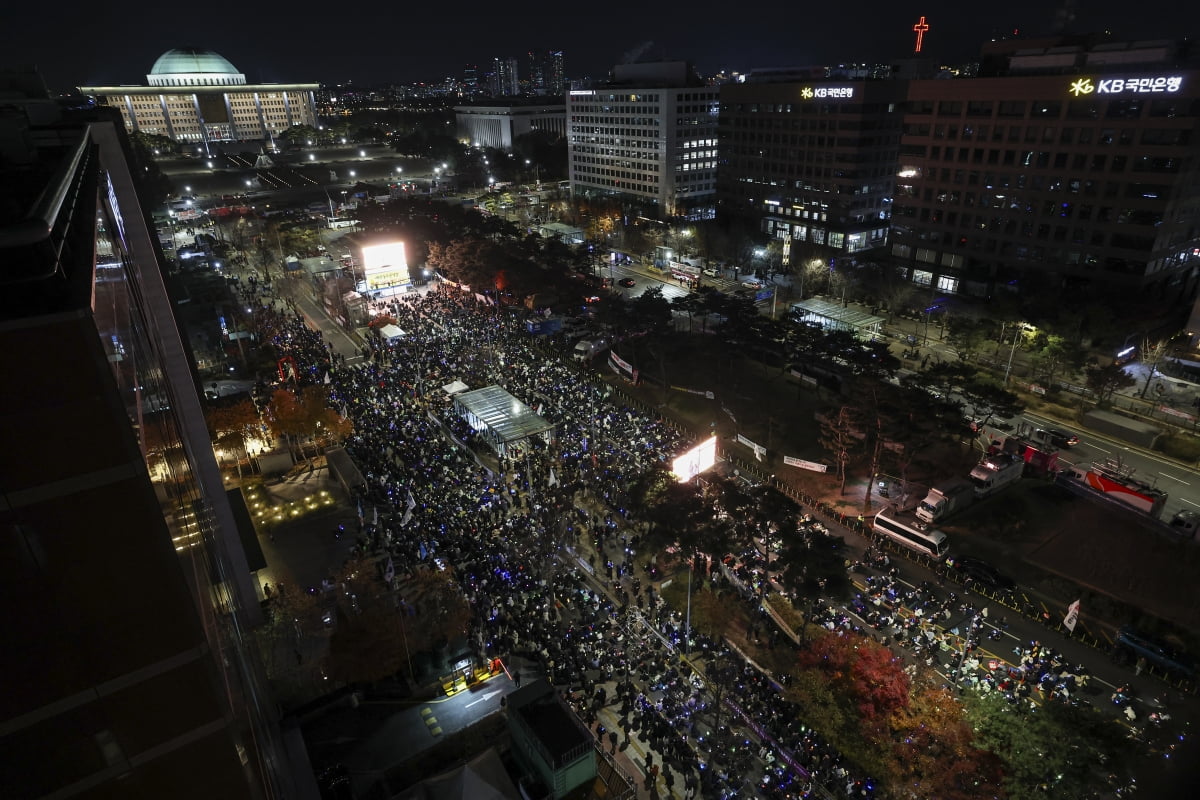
x=649 y=136
x=813 y=160
x=498 y=126
x=196 y=96
x=127 y=590
x=1067 y=165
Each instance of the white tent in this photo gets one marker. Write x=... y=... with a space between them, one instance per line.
x=454 y=387
x=482 y=778
x=390 y=332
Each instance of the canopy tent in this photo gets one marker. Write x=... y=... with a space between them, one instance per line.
x=481 y=778
x=836 y=317
x=390 y=332
x=501 y=419
x=454 y=387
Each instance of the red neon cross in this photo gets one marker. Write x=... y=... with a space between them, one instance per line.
x=920 y=29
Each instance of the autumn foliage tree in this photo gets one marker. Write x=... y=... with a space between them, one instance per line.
x=295 y=418
x=868 y=673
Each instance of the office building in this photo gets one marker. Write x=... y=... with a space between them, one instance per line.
x=648 y=137
x=545 y=73
x=504 y=78
x=1069 y=164
x=811 y=159
x=498 y=126
x=127 y=593
x=196 y=96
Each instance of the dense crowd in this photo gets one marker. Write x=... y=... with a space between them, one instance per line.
x=502 y=521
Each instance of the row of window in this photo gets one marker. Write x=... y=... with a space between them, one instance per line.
x=959 y=177
x=1007 y=229
x=1094 y=162
x=1080 y=108
x=1048 y=134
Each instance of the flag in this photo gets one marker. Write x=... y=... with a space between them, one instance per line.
x=389 y=573
x=375 y=516
x=409 y=509
x=585 y=444
x=553 y=478
x=328 y=380
x=538 y=410
x=360 y=514
x=1072 y=616
x=422 y=553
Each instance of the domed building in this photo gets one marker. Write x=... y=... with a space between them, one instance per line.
x=193 y=95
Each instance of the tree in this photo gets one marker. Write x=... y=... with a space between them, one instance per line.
x=1047 y=751
x=967 y=336
x=1107 y=380
x=934 y=751
x=1056 y=356
x=229 y=425
x=841 y=435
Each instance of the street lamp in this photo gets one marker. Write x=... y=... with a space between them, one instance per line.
x=362 y=153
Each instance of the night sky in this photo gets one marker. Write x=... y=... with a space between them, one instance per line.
x=371 y=42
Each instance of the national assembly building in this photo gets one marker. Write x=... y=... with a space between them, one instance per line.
x=195 y=95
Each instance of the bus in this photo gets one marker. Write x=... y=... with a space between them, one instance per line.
x=910 y=532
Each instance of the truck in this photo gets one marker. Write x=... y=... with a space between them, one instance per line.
x=945 y=500
x=543 y=326
x=587 y=349
x=995 y=471
x=1116 y=482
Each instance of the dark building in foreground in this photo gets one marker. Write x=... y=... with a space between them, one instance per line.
x=127 y=599
x=1069 y=164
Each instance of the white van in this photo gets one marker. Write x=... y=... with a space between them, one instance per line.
x=588 y=349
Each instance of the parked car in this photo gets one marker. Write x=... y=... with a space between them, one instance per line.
x=1062 y=438
x=711 y=272
x=752 y=283
x=981 y=571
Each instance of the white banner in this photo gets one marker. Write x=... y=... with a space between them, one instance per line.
x=812 y=465
x=1072 y=616
x=759 y=450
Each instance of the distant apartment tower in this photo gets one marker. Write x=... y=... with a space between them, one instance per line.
x=470 y=79
x=197 y=96
x=504 y=76
x=128 y=597
x=1070 y=164
x=649 y=136
x=545 y=72
x=811 y=159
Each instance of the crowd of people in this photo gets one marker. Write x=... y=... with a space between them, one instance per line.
x=505 y=522
x=502 y=520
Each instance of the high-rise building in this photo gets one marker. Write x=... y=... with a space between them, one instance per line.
x=649 y=136
x=127 y=592
x=545 y=72
x=1070 y=163
x=196 y=95
x=504 y=81
x=813 y=160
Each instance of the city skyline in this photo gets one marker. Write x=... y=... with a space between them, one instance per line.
x=378 y=47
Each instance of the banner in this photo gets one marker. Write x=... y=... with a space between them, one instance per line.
x=1072 y=616
x=730 y=413
x=811 y=465
x=759 y=450
x=702 y=392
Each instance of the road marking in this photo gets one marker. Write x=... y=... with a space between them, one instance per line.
x=1172 y=477
x=1097 y=447
x=1197 y=505
x=487 y=696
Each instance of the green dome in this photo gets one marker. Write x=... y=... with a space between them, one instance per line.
x=191 y=61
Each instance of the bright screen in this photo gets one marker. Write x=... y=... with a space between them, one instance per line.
x=384 y=265
x=696 y=460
